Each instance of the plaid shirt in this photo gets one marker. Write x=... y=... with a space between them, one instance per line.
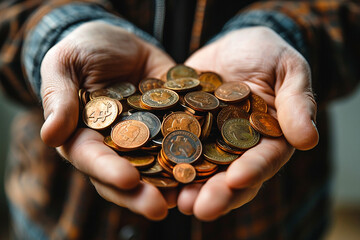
x=49 y=199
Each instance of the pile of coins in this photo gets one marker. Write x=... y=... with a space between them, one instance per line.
x=180 y=129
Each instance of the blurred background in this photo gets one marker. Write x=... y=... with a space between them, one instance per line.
x=345 y=117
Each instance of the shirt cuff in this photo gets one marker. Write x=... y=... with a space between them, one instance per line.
x=58 y=24
x=280 y=23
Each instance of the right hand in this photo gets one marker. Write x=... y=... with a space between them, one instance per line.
x=93 y=56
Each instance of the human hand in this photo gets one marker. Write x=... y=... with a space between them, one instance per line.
x=281 y=76
x=93 y=56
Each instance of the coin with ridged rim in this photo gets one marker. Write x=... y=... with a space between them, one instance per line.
x=130 y=134
x=214 y=154
x=265 y=124
x=180 y=121
x=257 y=103
x=180 y=71
x=232 y=91
x=159 y=98
x=100 y=113
x=150 y=119
x=201 y=101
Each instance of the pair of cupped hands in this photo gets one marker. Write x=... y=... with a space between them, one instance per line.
x=97 y=54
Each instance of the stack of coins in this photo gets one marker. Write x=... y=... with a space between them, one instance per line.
x=183 y=129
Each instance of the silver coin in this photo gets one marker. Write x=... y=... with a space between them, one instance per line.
x=150 y=120
x=126 y=89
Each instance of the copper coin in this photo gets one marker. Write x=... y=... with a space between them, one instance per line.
x=163 y=163
x=140 y=161
x=151 y=121
x=238 y=133
x=201 y=101
x=182 y=146
x=206 y=127
x=180 y=121
x=230 y=112
x=100 y=113
x=184 y=173
x=130 y=134
x=232 y=91
x=85 y=97
x=119 y=105
x=204 y=166
x=125 y=89
x=210 y=81
x=182 y=84
x=155 y=169
x=106 y=93
x=150 y=83
x=257 y=103
x=265 y=124
x=214 y=154
x=181 y=71
x=109 y=142
x=134 y=101
x=160 y=182
x=225 y=147
x=243 y=105
x=159 y=98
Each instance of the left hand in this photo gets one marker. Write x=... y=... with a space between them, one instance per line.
x=281 y=76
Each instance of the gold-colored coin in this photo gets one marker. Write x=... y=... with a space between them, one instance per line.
x=182 y=84
x=184 y=172
x=155 y=169
x=232 y=91
x=134 y=102
x=109 y=142
x=105 y=93
x=238 y=133
x=265 y=124
x=180 y=121
x=164 y=163
x=159 y=99
x=160 y=182
x=181 y=71
x=125 y=89
x=225 y=147
x=243 y=105
x=210 y=81
x=201 y=101
x=206 y=127
x=150 y=83
x=230 y=112
x=140 y=161
x=215 y=155
x=100 y=113
x=257 y=103
x=130 y=134
x=203 y=166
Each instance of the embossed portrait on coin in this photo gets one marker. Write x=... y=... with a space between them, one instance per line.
x=129 y=133
x=201 y=100
x=160 y=97
x=181 y=147
x=241 y=132
x=181 y=123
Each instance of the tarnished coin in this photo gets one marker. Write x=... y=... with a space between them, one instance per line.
x=130 y=134
x=106 y=93
x=238 y=133
x=182 y=84
x=206 y=127
x=100 y=113
x=159 y=98
x=214 y=154
x=204 y=166
x=230 y=112
x=181 y=71
x=126 y=89
x=232 y=91
x=265 y=124
x=225 y=147
x=257 y=103
x=150 y=83
x=134 y=101
x=155 y=169
x=182 y=146
x=184 y=172
x=150 y=119
x=244 y=105
x=161 y=182
x=201 y=101
x=180 y=121
x=210 y=81
x=140 y=161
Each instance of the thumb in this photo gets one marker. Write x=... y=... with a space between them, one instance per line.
x=296 y=107
x=60 y=100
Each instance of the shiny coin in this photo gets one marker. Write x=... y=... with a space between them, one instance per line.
x=150 y=83
x=230 y=112
x=238 y=133
x=184 y=173
x=204 y=166
x=140 y=161
x=164 y=163
x=265 y=124
x=134 y=101
x=257 y=103
x=180 y=121
x=225 y=147
x=109 y=142
x=151 y=121
x=181 y=71
x=159 y=98
x=85 y=97
x=201 y=101
x=100 y=113
x=182 y=146
x=130 y=134
x=160 y=182
x=232 y=91
x=106 y=93
x=125 y=89
x=210 y=81
x=182 y=84
x=206 y=127
x=215 y=155
x=155 y=169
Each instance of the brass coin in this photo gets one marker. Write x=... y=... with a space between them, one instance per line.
x=134 y=102
x=159 y=98
x=109 y=142
x=119 y=105
x=85 y=97
x=150 y=83
x=106 y=93
x=210 y=81
x=243 y=105
x=230 y=112
x=215 y=155
x=125 y=89
x=206 y=127
x=181 y=71
x=238 y=133
x=182 y=84
x=265 y=124
x=182 y=146
x=100 y=113
x=151 y=121
x=140 y=161
x=232 y=91
x=155 y=169
x=180 y=121
x=225 y=147
x=201 y=101
x=130 y=134
x=257 y=103
x=203 y=166
x=160 y=182
x=184 y=172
